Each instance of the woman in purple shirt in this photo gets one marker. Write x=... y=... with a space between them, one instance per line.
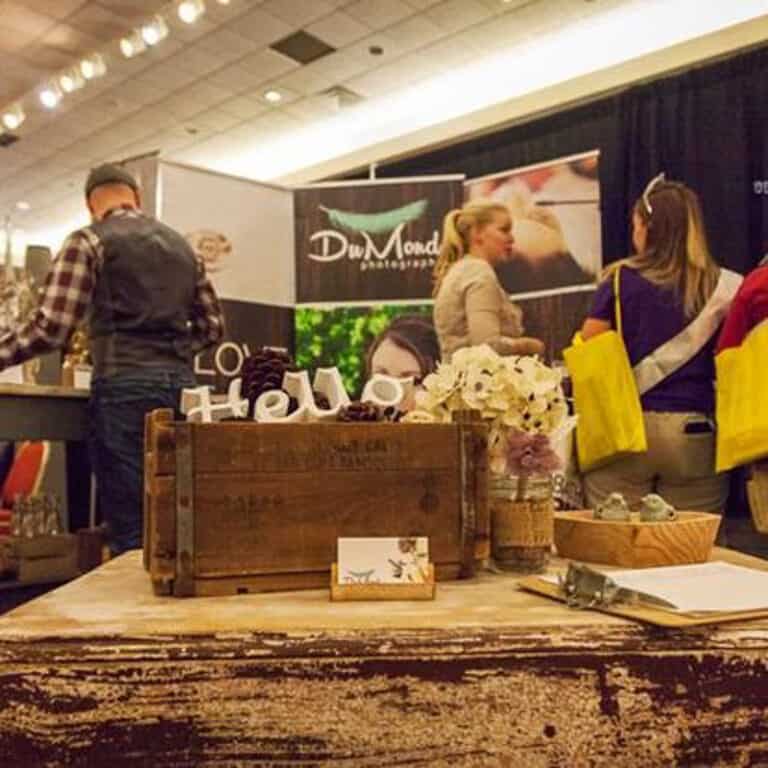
x=667 y=285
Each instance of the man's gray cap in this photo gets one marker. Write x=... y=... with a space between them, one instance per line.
x=109 y=173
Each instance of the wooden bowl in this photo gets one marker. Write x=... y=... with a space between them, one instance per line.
x=635 y=544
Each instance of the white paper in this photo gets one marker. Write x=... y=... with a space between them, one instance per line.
x=12 y=375
x=700 y=588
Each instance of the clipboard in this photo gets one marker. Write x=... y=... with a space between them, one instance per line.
x=659 y=617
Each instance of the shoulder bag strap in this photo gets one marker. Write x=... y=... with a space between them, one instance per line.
x=676 y=352
x=617 y=301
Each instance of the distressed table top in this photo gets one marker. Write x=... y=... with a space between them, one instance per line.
x=116 y=600
x=103 y=672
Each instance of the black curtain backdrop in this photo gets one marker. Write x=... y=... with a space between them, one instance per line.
x=706 y=127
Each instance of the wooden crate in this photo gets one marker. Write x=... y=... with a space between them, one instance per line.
x=241 y=507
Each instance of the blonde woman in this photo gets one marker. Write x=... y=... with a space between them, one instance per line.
x=673 y=298
x=471 y=307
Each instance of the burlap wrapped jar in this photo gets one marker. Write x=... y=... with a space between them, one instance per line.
x=522 y=521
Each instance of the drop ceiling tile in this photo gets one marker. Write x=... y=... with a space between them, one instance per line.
x=391 y=48
x=190 y=32
x=227 y=44
x=236 y=78
x=339 y=29
x=312 y=107
x=455 y=15
x=214 y=120
x=298 y=13
x=415 y=32
x=341 y=65
x=141 y=91
x=305 y=81
x=260 y=27
x=378 y=14
x=133 y=9
x=194 y=60
x=243 y=107
x=268 y=64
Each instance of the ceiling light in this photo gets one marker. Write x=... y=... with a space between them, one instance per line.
x=50 y=95
x=71 y=80
x=190 y=10
x=13 y=117
x=132 y=45
x=223 y=2
x=154 y=31
x=273 y=96
x=23 y=205
x=93 y=66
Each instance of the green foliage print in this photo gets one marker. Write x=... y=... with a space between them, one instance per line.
x=341 y=337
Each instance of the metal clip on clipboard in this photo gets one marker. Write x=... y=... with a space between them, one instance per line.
x=584 y=587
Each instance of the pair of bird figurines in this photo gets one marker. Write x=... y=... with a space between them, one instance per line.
x=653 y=509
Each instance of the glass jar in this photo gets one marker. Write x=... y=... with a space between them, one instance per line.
x=522 y=521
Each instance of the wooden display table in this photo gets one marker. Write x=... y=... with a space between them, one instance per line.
x=40 y=412
x=102 y=672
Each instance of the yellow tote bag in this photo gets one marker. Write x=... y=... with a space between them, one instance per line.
x=742 y=401
x=605 y=396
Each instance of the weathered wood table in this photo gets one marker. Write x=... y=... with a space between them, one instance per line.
x=102 y=672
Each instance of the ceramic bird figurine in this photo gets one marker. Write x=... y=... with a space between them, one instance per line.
x=614 y=507
x=654 y=509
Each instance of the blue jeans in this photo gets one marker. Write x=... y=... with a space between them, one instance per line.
x=116 y=413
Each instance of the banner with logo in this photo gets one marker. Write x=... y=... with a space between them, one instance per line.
x=243 y=231
x=555 y=209
x=371 y=240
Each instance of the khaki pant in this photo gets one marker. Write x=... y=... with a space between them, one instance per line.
x=678 y=466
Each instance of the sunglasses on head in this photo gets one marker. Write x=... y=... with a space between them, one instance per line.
x=652 y=184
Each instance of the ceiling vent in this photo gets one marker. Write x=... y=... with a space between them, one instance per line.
x=302 y=47
x=6 y=139
x=343 y=97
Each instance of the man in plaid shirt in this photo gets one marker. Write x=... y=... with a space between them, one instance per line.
x=149 y=308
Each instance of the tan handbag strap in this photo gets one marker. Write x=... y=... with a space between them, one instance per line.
x=617 y=300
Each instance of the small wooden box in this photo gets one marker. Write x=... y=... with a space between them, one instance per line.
x=635 y=544
x=236 y=507
x=406 y=591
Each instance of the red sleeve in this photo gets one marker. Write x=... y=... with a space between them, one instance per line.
x=749 y=308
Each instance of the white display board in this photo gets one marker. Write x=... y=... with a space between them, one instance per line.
x=243 y=229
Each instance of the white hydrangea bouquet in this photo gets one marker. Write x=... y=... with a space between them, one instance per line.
x=520 y=397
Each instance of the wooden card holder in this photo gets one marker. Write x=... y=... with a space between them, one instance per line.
x=340 y=592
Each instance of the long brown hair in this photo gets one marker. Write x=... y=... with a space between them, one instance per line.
x=457 y=230
x=415 y=334
x=676 y=253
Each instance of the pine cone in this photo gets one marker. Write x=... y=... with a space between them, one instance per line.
x=357 y=411
x=262 y=372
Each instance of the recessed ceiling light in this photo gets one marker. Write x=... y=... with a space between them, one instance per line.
x=154 y=31
x=93 y=66
x=190 y=10
x=50 y=95
x=71 y=80
x=273 y=96
x=13 y=117
x=132 y=45
x=23 y=205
